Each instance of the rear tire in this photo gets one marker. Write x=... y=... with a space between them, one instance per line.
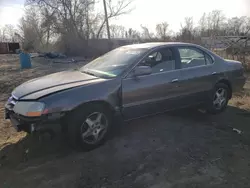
x=89 y=126
x=219 y=98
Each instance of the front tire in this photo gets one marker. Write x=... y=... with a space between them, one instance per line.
x=89 y=126
x=219 y=98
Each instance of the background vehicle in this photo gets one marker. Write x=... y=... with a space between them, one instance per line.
x=131 y=82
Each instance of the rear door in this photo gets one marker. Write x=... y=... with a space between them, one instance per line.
x=196 y=75
x=152 y=93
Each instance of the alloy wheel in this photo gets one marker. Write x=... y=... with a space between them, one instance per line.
x=220 y=98
x=94 y=128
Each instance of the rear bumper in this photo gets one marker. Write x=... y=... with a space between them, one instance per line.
x=49 y=122
x=238 y=83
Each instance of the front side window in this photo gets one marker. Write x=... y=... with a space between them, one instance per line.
x=160 y=61
x=191 y=57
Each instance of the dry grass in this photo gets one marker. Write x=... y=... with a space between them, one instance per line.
x=8 y=134
x=240 y=102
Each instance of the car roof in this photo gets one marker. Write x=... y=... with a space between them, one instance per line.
x=151 y=45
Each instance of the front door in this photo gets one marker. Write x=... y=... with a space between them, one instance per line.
x=154 y=93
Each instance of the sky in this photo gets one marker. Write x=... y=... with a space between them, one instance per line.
x=148 y=12
x=11 y=11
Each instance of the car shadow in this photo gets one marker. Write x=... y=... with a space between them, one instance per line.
x=39 y=149
x=232 y=117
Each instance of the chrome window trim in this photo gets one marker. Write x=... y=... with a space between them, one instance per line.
x=175 y=70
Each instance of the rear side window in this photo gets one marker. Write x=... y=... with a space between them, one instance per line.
x=191 y=57
x=209 y=60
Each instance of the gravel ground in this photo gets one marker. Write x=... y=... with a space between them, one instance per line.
x=186 y=148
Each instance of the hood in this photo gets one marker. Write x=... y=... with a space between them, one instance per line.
x=54 y=83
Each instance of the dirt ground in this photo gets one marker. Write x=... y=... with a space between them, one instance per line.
x=186 y=148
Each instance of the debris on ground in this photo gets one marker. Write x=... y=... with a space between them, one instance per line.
x=64 y=61
x=237 y=131
x=53 y=55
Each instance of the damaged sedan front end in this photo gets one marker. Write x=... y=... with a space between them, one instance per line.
x=31 y=116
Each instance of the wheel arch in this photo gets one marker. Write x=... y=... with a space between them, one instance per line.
x=103 y=103
x=68 y=114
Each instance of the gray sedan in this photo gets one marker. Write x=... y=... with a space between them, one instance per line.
x=129 y=82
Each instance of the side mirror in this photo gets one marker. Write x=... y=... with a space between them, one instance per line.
x=142 y=70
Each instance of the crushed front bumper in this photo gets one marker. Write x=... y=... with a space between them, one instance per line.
x=50 y=122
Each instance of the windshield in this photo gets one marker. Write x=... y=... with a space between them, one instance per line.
x=113 y=63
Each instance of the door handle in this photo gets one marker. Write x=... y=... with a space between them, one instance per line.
x=214 y=73
x=175 y=80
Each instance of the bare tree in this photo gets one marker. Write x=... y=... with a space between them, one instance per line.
x=78 y=18
x=68 y=16
x=31 y=33
x=47 y=23
x=146 y=34
x=187 y=30
x=3 y=37
x=202 y=25
x=10 y=32
x=216 y=21
x=114 y=10
x=162 y=30
x=132 y=34
x=7 y=33
x=246 y=27
x=188 y=23
x=71 y=23
x=117 y=31
x=238 y=26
